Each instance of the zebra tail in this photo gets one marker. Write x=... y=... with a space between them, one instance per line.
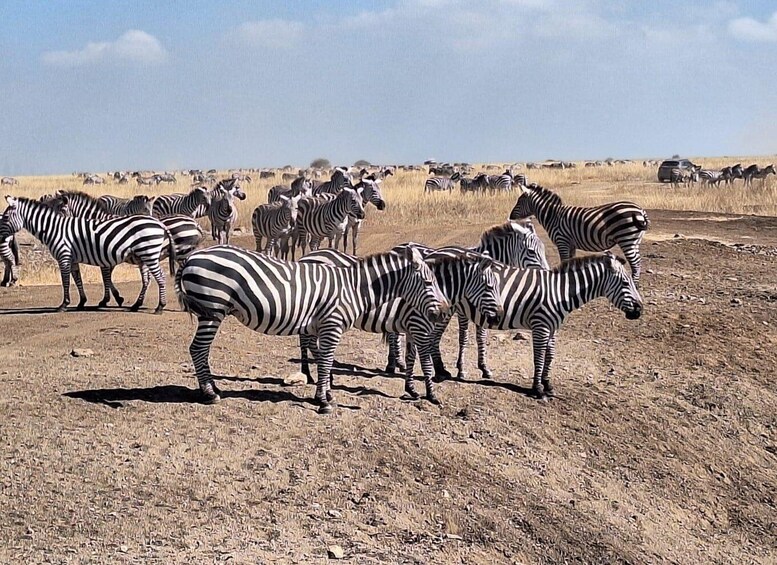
x=187 y=303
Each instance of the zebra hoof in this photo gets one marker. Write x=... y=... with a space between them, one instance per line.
x=441 y=372
x=550 y=392
x=461 y=375
x=119 y=301
x=159 y=309
x=135 y=307
x=433 y=399
x=391 y=369
x=61 y=308
x=325 y=408
x=210 y=398
x=410 y=393
x=81 y=306
x=486 y=374
x=537 y=393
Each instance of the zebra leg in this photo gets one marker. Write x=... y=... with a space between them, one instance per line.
x=550 y=353
x=540 y=337
x=631 y=251
x=200 y=352
x=145 y=278
x=64 y=271
x=481 y=337
x=109 y=288
x=424 y=347
x=463 y=342
x=76 y=272
x=328 y=339
x=307 y=343
x=159 y=276
x=258 y=239
x=440 y=372
x=354 y=237
x=410 y=353
x=395 y=350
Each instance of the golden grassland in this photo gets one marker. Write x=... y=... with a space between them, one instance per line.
x=408 y=206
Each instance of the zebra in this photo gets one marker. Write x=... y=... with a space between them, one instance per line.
x=326 y=216
x=138 y=205
x=763 y=173
x=519 y=180
x=441 y=183
x=463 y=277
x=708 y=177
x=335 y=184
x=287 y=298
x=500 y=183
x=94 y=179
x=369 y=188
x=103 y=243
x=141 y=180
x=9 y=253
x=730 y=174
x=588 y=229
x=165 y=177
x=300 y=185
x=275 y=222
x=191 y=204
x=515 y=244
x=9 y=181
x=467 y=184
x=540 y=301
x=182 y=231
x=222 y=211
x=267 y=174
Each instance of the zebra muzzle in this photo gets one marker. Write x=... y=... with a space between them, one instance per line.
x=635 y=312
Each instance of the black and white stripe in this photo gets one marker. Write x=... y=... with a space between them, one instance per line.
x=370 y=191
x=222 y=214
x=540 y=301
x=326 y=216
x=107 y=243
x=335 y=184
x=274 y=221
x=195 y=204
x=9 y=253
x=435 y=184
x=587 y=229
x=299 y=186
x=138 y=205
x=286 y=298
x=464 y=277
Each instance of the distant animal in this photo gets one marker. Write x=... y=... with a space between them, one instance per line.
x=435 y=184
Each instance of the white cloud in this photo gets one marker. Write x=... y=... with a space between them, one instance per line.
x=748 y=29
x=275 y=33
x=134 y=45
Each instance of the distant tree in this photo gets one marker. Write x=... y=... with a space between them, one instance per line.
x=320 y=163
x=362 y=163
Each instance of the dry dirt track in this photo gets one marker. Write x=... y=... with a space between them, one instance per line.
x=662 y=446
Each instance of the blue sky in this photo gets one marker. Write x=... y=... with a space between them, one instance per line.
x=93 y=85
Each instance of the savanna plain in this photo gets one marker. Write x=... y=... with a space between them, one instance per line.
x=661 y=445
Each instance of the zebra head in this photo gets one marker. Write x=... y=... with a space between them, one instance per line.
x=529 y=249
x=483 y=290
x=371 y=192
x=12 y=216
x=201 y=196
x=302 y=185
x=619 y=287
x=354 y=202
x=420 y=289
x=292 y=204
x=140 y=205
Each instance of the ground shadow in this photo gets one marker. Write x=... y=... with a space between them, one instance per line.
x=115 y=397
x=70 y=310
x=340 y=368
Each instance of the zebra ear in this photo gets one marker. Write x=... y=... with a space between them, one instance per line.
x=486 y=262
x=10 y=200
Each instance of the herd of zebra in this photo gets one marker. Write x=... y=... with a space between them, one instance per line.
x=478 y=184
x=503 y=281
x=726 y=175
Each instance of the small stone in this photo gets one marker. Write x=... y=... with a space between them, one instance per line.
x=736 y=301
x=335 y=552
x=520 y=337
x=650 y=271
x=123 y=548
x=335 y=513
x=82 y=353
x=453 y=537
x=679 y=236
x=295 y=379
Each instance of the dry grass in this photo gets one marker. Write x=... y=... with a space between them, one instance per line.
x=408 y=206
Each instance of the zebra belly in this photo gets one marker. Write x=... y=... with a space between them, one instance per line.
x=387 y=318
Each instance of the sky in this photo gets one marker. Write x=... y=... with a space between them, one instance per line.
x=96 y=86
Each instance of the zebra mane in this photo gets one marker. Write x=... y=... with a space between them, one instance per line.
x=78 y=195
x=500 y=230
x=453 y=255
x=579 y=263
x=551 y=197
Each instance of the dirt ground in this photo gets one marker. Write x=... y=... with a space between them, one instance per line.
x=661 y=447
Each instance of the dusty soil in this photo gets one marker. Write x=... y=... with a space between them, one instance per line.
x=662 y=445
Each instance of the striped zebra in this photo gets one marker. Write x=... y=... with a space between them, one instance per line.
x=326 y=217
x=194 y=204
x=335 y=184
x=107 y=243
x=540 y=300
x=467 y=184
x=369 y=187
x=588 y=229
x=730 y=174
x=299 y=186
x=710 y=177
x=138 y=205
x=222 y=214
x=286 y=298
x=183 y=231
x=165 y=177
x=499 y=183
x=9 y=253
x=515 y=244
x=757 y=173
x=520 y=180
x=274 y=221
x=464 y=277
x=434 y=184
